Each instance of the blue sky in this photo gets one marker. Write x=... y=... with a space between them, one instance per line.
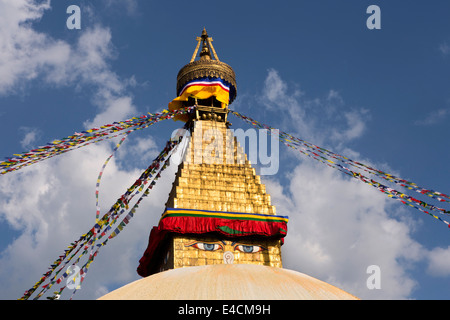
x=311 y=68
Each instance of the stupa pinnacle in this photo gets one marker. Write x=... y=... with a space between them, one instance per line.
x=218 y=210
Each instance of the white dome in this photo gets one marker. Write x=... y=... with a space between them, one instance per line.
x=228 y=282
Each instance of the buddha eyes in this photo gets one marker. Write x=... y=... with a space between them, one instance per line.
x=216 y=246
x=207 y=246
x=248 y=249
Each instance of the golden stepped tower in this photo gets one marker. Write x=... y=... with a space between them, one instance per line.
x=215 y=177
x=219 y=236
x=227 y=183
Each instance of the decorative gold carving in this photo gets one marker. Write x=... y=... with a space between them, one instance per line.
x=206 y=66
x=209 y=40
x=207 y=43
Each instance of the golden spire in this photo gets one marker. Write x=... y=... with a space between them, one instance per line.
x=208 y=65
x=207 y=47
x=218 y=211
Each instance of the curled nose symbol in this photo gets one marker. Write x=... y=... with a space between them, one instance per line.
x=228 y=257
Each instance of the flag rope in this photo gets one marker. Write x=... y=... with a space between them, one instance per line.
x=84 y=138
x=105 y=227
x=325 y=156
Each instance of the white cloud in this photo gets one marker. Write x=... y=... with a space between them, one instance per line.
x=27 y=55
x=340 y=226
x=131 y=6
x=439 y=261
x=355 y=126
x=434 y=117
x=444 y=48
x=144 y=148
x=30 y=136
x=88 y=66
x=320 y=120
x=23 y=51
x=277 y=98
x=337 y=228
x=113 y=109
x=43 y=203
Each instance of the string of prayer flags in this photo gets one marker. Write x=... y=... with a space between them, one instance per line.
x=442 y=197
x=343 y=163
x=71 y=248
x=163 y=158
x=97 y=186
x=84 y=138
x=107 y=227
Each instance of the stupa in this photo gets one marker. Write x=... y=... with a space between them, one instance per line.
x=219 y=236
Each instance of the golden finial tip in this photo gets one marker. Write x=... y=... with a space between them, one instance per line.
x=206 y=66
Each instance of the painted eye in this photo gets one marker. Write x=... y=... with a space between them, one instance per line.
x=207 y=246
x=249 y=249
